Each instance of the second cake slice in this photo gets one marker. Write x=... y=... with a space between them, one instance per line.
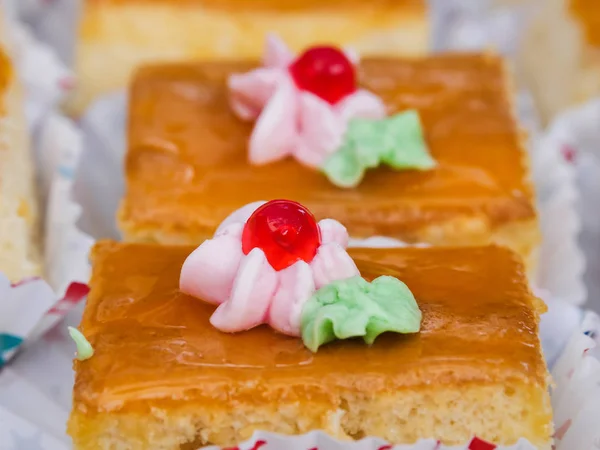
x=187 y=161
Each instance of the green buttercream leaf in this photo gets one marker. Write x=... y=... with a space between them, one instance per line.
x=84 y=348
x=412 y=153
x=354 y=307
x=396 y=141
x=343 y=167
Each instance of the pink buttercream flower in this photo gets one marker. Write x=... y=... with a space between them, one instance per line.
x=248 y=290
x=291 y=121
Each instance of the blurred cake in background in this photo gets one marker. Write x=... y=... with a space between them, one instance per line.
x=118 y=35
x=19 y=234
x=560 y=55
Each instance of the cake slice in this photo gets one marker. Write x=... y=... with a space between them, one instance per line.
x=568 y=30
x=187 y=160
x=163 y=377
x=122 y=34
x=19 y=234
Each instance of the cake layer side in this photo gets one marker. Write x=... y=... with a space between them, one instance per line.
x=500 y=413
x=125 y=35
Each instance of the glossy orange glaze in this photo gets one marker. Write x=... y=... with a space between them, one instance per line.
x=278 y=5
x=588 y=13
x=154 y=345
x=187 y=160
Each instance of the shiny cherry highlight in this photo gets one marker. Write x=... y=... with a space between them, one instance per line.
x=326 y=72
x=285 y=231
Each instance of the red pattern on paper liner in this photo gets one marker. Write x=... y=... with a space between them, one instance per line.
x=569 y=153
x=475 y=444
x=74 y=294
x=257 y=445
x=562 y=430
x=478 y=444
x=67 y=83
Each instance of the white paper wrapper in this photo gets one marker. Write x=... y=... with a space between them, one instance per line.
x=15 y=326
x=66 y=254
x=576 y=135
x=320 y=441
x=54 y=21
x=575 y=399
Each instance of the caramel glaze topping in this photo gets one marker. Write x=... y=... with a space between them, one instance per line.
x=154 y=345
x=187 y=163
x=277 y=5
x=588 y=13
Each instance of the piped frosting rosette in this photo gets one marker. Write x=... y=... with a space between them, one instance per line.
x=311 y=108
x=272 y=263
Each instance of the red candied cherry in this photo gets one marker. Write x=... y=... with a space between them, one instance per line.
x=286 y=231
x=326 y=72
